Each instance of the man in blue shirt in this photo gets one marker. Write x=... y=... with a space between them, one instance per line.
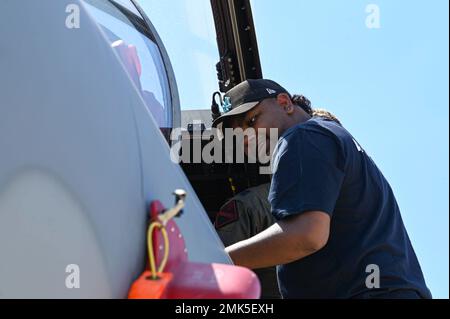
x=339 y=233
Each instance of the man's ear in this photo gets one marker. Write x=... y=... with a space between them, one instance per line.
x=284 y=100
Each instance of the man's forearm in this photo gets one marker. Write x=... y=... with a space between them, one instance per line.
x=279 y=244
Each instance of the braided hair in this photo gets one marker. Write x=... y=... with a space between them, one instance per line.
x=305 y=104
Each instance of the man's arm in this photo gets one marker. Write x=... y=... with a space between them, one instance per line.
x=287 y=241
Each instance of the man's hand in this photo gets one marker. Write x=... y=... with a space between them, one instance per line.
x=285 y=242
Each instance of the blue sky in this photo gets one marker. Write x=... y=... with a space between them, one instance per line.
x=389 y=86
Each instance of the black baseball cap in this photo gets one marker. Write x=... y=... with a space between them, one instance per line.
x=246 y=95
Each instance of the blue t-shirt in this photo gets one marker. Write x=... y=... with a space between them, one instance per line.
x=319 y=166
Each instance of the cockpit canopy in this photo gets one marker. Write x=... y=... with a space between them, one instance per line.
x=136 y=45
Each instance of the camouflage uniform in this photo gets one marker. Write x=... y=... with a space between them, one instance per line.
x=244 y=216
